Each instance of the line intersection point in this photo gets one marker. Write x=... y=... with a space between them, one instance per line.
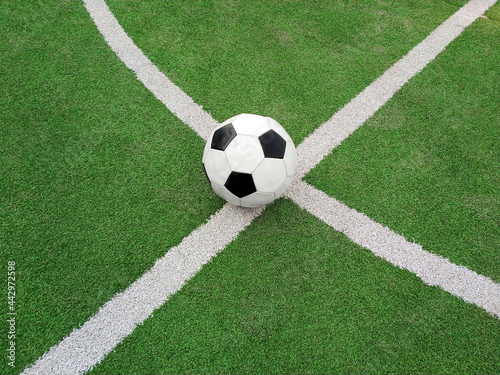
x=80 y=350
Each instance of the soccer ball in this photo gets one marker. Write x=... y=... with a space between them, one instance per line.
x=249 y=160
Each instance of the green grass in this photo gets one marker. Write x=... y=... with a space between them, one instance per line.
x=98 y=180
x=313 y=303
x=92 y=189
x=426 y=165
x=296 y=61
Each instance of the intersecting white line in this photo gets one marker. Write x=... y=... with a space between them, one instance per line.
x=85 y=347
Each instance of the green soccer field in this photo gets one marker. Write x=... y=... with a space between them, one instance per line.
x=101 y=182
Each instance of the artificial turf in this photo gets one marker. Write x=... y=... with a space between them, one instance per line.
x=98 y=179
x=292 y=296
x=426 y=165
x=296 y=61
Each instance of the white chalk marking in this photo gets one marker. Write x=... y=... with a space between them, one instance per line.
x=176 y=100
x=343 y=123
x=394 y=248
x=86 y=346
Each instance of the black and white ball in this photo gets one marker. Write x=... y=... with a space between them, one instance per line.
x=249 y=160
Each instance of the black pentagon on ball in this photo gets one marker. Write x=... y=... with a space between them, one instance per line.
x=273 y=145
x=222 y=137
x=240 y=184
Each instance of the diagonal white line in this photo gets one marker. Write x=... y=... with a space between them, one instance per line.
x=176 y=100
x=384 y=243
x=85 y=347
x=343 y=123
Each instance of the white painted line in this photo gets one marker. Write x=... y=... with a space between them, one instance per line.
x=176 y=100
x=394 y=248
x=87 y=345
x=343 y=123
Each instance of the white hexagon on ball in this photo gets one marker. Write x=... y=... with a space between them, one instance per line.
x=249 y=160
x=269 y=175
x=253 y=125
x=244 y=153
x=217 y=165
